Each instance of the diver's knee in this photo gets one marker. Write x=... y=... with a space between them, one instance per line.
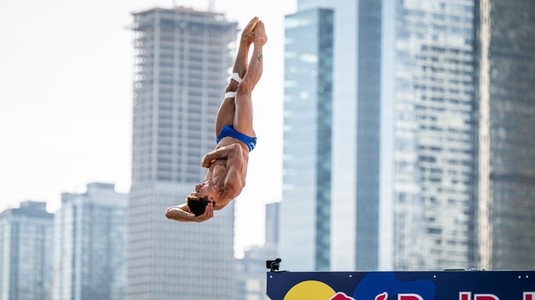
x=244 y=89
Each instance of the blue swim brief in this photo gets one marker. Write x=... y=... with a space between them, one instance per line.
x=228 y=130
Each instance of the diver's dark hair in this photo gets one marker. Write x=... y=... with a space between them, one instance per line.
x=197 y=205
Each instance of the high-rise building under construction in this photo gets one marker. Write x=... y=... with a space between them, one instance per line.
x=182 y=57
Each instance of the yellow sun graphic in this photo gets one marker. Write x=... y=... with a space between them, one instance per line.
x=310 y=290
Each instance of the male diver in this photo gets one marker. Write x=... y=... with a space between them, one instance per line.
x=227 y=163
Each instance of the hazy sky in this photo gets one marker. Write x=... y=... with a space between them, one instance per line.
x=66 y=100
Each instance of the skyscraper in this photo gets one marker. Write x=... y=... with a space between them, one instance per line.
x=306 y=206
x=272 y=225
x=429 y=111
x=403 y=134
x=251 y=277
x=353 y=163
x=26 y=236
x=89 y=245
x=182 y=57
x=431 y=151
x=506 y=93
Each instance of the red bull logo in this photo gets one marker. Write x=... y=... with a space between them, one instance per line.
x=317 y=290
x=499 y=285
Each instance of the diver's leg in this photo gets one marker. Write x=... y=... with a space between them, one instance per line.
x=225 y=115
x=243 y=118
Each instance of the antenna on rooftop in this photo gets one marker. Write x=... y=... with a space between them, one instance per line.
x=211 y=5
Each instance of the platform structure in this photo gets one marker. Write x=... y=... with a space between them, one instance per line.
x=442 y=285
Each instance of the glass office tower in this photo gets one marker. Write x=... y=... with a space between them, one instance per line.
x=431 y=107
x=432 y=163
x=355 y=136
x=181 y=62
x=26 y=238
x=306 y=206
x=90 y=245
x=403 y=134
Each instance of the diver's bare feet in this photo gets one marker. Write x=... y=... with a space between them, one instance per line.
x=241 y=64
x=259 y=36
x=248 y=32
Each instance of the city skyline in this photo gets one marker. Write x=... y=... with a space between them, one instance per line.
x=432 y=162
x=66 y=105
x=57 y=139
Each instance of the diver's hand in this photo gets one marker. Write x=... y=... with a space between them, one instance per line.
x=181 y=213
x=208 y=214
x=208 y=159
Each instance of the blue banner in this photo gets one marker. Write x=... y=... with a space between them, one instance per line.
x=445 y=285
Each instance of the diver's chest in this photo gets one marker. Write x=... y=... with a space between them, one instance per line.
x=219 y=168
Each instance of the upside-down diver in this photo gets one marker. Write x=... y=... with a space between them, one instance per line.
x=235 y=136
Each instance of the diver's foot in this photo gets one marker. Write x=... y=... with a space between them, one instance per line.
x=259 y=36
x=247 y=35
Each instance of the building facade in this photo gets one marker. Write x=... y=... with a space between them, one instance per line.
x=181 y=62
x=90 y=245
x=506 y=72
x=403 y=163
x=26 y=239
x=251 y=275
x=272 y=233
x=432 y=135
x=431 y=143
x=306 y=207
x=355 y=134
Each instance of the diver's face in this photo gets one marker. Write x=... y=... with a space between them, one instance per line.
x=200 y=187
x=201 y=190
